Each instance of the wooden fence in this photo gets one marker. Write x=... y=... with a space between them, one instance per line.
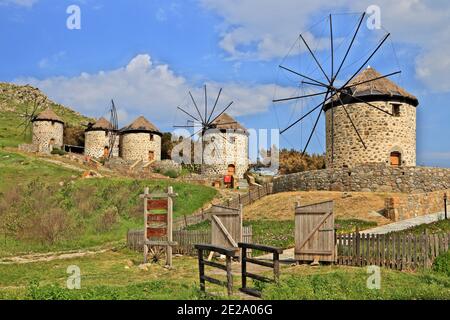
x=186 y=239
x=253 y=194
x=395 y=251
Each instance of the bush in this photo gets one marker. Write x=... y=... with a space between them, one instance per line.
x=171 y=174
x=107 y=220
x=442 y=264
x=50 y=228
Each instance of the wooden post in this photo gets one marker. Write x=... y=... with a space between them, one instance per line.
x=276 y=267
x=169 y=226
x=201 y=269
x=146 y=191
x=357 y=244
x=244 y=267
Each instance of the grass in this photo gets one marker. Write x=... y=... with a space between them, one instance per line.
x=111 y=275
x=86 y=201
x=116 y=275
x=353 y=205
x=280 y=233
x=345 y=283
x=19 y=169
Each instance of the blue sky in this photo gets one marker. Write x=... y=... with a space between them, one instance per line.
x=148 y=54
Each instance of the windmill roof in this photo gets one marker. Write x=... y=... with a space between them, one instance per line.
x=101 y=124
x=225 y=121
x=381 y=87
x=48 y=115
x=139 y=125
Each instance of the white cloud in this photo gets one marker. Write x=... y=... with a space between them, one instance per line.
x=154 y=90
x=264 y=29
x=21 y=3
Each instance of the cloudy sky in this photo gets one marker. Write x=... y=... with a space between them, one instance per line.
x=148 y=54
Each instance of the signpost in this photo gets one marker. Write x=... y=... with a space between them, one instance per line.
x=158 y=222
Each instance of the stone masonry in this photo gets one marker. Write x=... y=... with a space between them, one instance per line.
x=367 y=178
x=97 y=140
x=137 y=145
x=48 y=135
x=223 y=150
x=382 y=134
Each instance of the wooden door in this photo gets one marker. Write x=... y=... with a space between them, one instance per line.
x=226 y=227
x=106 y=152
x=231 y=170
x=396 y=159
x=151 y=155
x=314 y=233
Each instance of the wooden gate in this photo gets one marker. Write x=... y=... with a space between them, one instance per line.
x=226 y=226
x=315 y=233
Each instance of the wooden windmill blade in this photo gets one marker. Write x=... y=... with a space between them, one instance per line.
x=114 y=128
x=206 y=120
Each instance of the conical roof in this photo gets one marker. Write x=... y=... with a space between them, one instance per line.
x=383 y=89
x=141 y=125
x=101 y=124
x=225 y=121
x=48 y=115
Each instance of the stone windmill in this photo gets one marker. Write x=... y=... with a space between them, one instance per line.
x=361 y=110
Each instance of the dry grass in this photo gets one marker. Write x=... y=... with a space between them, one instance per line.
x=359 y=205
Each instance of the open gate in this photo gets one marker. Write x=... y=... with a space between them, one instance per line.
x=226 y=227
x=315 y=233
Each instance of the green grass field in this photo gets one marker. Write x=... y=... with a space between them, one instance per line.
x=95 y=211
x=116 y=275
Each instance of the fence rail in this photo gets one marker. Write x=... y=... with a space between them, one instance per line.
x=186 y=239
x=395 y=251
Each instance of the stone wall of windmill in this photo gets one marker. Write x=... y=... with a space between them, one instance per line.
x=382 y=134
x=47 y=132
x=223 y=150
x=140 y=146
x=97 y=143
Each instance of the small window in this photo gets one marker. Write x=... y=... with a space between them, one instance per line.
x=232 y=140
x=152 y=137
x=396 y=110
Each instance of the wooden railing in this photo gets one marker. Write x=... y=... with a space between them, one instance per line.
x=395 y=251
x=275 y=265
x=186 y=239
x=229 y=255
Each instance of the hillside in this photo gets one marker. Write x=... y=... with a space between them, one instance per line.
x=17 y=99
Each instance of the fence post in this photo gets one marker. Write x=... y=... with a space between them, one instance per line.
x=229 y=277
x=244 y=267
x=201 y=268
x=357 y=244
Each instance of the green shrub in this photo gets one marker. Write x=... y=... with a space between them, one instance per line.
x=171 y=174
x=442 y=264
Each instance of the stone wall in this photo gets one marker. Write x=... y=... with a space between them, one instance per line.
x=44 y=132
x=222 y=150
x=414 y=205
x=96 y=141
x=381 y=133
x=136 y=146
x=375 y=178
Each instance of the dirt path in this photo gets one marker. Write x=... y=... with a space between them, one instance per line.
x=50 y=256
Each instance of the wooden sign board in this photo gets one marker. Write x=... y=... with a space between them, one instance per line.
x=158 y=210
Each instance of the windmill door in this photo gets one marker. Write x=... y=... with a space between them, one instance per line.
x=396 y=159
x=314 y=233
x=226 y=227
